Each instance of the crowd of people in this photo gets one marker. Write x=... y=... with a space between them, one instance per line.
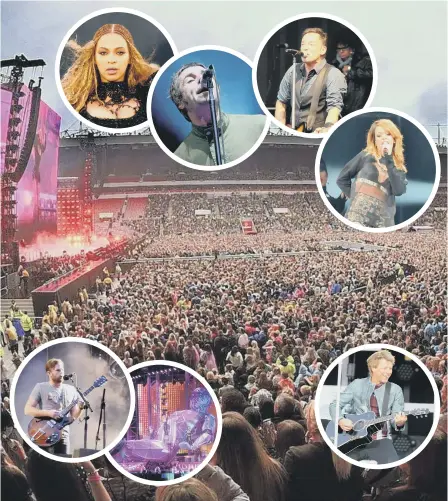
x=261 y=330
x=174 y=215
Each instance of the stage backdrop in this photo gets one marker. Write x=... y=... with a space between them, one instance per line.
x=37 y=188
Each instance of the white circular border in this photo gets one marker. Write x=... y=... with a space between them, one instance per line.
x=212 y=452
x=418 y=214
x=25 y=436
x=375 y=347
x=297 y=18
x=91 y=125
x=205 y=168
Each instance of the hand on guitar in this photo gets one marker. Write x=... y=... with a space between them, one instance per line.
x=345 y=424
x=52 y=414
x=400 y=419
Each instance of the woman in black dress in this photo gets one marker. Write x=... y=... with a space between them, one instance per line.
x=108 y=82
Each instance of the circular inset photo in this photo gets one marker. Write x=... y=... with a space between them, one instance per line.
x=385 y=402
x=106 y=64
x=72 y=399
x=204 y=112
x=378 y=170
x=311 y=70
x=176 y=426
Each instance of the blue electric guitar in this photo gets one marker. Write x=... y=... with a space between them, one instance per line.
x=364 y=427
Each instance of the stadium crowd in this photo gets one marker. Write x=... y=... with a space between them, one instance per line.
x=261 y=330
x=179 y=214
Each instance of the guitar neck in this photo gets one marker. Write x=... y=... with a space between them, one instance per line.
x=69 y=407
x=383 y=419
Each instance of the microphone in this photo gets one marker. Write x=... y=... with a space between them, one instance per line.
x=208 y=73
x=282 y=46
x=294 y=51
x=69 y=376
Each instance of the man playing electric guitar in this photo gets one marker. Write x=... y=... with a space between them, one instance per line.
x=48 y=399
x=320 y=88
x=369 y=394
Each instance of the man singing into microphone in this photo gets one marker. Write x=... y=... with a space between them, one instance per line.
x=48 y=399
x=368 y=394
x=238 y=133
x=319 y=90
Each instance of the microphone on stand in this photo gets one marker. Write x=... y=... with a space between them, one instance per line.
x=69 y=376
x=207 y=75
x=294 y=51
x=207 y=85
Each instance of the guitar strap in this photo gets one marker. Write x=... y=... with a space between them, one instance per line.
x=317 y=90
x=386 y=399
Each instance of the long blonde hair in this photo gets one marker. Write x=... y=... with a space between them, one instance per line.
x=81 y=80
x=394 y=131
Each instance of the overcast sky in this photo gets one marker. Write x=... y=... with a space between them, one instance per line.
x=408 y=38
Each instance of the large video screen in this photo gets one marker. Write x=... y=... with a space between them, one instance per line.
x=37 y=189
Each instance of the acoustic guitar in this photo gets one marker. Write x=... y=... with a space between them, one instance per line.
x=364 y=427
x=46 y=432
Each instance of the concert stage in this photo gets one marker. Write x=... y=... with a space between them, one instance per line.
x=174 y=425
x=51 y=245
x=67 y=286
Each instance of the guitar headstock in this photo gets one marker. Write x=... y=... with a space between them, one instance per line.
x=419 y=412
x=100 y=381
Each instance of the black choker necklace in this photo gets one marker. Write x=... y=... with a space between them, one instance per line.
x=117 y=92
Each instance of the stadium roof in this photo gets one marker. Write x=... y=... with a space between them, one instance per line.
x=72 y=138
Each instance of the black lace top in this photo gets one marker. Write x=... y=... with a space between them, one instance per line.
x=118 y=93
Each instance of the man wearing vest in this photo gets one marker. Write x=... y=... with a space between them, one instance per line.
x=320 y=87
x=27 y=324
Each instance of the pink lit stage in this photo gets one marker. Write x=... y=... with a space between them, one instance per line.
x=174 y=425
x=48 y=245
